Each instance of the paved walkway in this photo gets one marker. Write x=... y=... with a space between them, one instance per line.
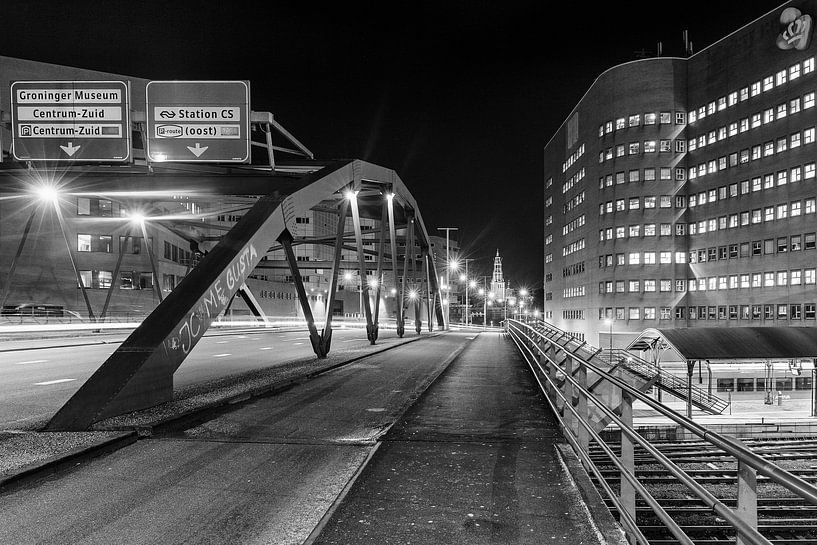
x=473 y=461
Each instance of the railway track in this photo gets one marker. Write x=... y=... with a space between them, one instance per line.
x=782 y=519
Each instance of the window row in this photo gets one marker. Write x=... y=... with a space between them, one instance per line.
x=767 y=279
x=754 y=153
x=575 y=291
x=573 y=225
x=128 y=280
x=758 y=183
x=648 y=146
x=636 y=120
x=753 y=217
x=104 y=243
x=573 y=247
x=646 y=202
x=573 y=314
x=648 y=230
x=777 y=245
x=779 y=311
x=767 y=83
x=573 y=158
x=759 y=384
x=573 y=180
x=635 y=175
x=775 y=113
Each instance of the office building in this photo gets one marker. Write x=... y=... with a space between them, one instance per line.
x=680 y=192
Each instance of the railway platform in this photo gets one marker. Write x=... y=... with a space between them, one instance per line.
x=475 y=460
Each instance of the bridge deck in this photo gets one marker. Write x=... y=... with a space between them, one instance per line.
x=473 y=461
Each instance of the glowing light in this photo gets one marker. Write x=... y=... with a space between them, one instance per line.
x=481 y=291
x=347 y=275
x=373 y=282
x=462 y=278
x=523 y=292
x=473 y=284
x=48 y=193
x=136 y=217
x=454 y=265
x=389 y=196
x=413 y=294
x=350 y=194
x=159 y=157
x=445 y=301
x=394 y=291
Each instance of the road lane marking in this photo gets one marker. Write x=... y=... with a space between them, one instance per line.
x=222 y=342
x=48 y=382
x=296 y=344
x=221 y=355
x=350 y=340
x=30 y=361
x=266 y=348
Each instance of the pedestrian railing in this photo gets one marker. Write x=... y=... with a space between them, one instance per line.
x=561 y=365
x=665 y=380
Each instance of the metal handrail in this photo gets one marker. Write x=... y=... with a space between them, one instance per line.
x=521 y=332
x=671 y=382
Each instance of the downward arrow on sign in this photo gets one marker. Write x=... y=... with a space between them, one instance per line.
x=198 y=150
x=71 y=149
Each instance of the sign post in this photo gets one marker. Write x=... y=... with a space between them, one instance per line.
x=198 y=121
x=70 y=121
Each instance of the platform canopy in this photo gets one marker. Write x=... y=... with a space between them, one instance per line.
x=718 y=343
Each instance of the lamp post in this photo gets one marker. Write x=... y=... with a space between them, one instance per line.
x=447 y=274
x=467 y=287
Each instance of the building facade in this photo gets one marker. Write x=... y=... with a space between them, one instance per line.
x=680 y=192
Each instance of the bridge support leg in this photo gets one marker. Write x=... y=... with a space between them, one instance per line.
x=627 y=494
x=149 y=247
x=286 y=241
x=361 y=259
x=252 y=303
x=326 y=336
x=381 y=255
x=431 y=295
x=7 y=289
x=747 y=499
x=401 y=289
x=81 y=284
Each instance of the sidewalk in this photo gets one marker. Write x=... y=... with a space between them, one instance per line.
x=473 y=461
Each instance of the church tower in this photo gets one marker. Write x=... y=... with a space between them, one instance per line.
x=497 y=280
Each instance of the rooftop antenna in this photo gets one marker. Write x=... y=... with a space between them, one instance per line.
x=660 y=48
x=687 y=43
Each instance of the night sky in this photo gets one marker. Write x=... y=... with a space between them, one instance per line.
x=459 y=97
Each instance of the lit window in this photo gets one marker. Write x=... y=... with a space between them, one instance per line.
x=634 y=147
x=768 y=83
x=649 y=146
x=794 y=71
x=665 y=257
x=635 y=258
x=794 y=105
x=808 y=100
x=635 y=120
x=649 y=202
x=621 y=123
x=680 y=118
x=649 y=119
x=808 y=65
x=649 y=286
x=808 y=136
x=794 y=140
x=649 y=258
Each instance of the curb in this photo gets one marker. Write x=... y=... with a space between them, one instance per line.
x=56 y=463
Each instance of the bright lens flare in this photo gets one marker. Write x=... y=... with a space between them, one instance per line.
x=47 y=194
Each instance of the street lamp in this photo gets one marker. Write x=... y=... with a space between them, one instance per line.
x=447 y=270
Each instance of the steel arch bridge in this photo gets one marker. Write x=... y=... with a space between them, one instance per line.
x=139 y=374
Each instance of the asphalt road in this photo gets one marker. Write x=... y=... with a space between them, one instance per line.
x=266 y=472
x=38 y=381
